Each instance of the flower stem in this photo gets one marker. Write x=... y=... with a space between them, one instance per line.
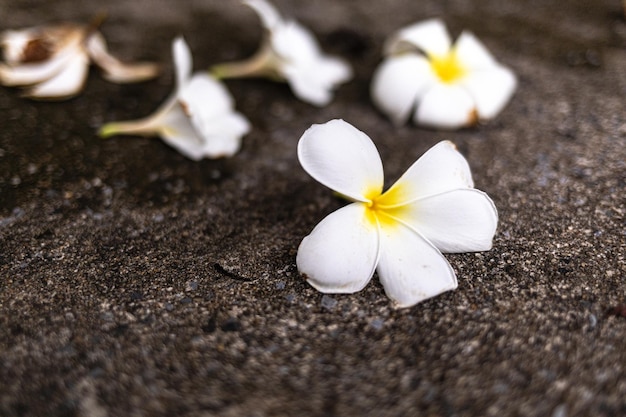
x=259 y=65
x=140 y=127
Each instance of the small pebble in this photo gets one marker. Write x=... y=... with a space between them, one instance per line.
x=560 y=411
x=377 y=323
x=328 y=302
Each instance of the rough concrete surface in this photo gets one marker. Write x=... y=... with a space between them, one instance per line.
x=135 y=282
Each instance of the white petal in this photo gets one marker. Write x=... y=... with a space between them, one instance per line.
x=177 y=131
x=40 y=53
x=267 y=13
x=429 y=36
x=14 y=42
x=295 y=44
x=446 y=107
x=223 y=136
x=183 y=62
x=334 y=70
x=398 y=83
x=41 y=43
x=410 y=268
x=442 y=168
x=28 y=74
x=205 y=97
x=342 y=158
x=455 y=221
x=314 y=82
x=491 y=90
x=68 y=82
x=340 y=254
x=471 y=52
x=307 y=88
x=209 y=105
x=115 y=70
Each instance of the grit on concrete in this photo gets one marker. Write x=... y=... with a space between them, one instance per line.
x=135 y=282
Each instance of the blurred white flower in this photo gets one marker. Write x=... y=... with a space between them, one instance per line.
x=289 y=52
x=444 y=86
x=53 y=61
x=433 y=207
x=198 y=120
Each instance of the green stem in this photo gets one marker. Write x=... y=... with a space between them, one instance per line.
x=259 y=65
x=141 y=127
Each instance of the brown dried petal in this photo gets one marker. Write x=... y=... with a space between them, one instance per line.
x=36 y=50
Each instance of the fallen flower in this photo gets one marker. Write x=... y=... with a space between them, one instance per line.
x=433 y=207
x=445 y=86
x=290 y=53
x=198 y=119
x=53 y=61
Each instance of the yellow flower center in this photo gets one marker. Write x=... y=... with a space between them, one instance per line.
x=447 y=67
x=383 y=209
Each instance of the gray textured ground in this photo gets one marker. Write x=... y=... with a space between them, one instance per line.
x=135 y=282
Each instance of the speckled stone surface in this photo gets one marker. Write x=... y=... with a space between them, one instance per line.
x=135 y=282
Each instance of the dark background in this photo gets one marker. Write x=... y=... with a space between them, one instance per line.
x=135 y=282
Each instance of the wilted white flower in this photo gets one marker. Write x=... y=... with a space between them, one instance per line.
x=444 y=86
x=53 y=61
x=290 y=53
x=433 y=207
x=198 y=119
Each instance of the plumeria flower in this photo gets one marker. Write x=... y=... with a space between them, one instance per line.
x=444 y=86
x=198 y=119
x=53 y=61
x=401 y=233
x=290 y=53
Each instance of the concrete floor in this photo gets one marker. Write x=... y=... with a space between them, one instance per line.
x=135 y=282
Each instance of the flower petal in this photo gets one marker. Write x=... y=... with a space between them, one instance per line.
x=442 y=168
x=29 y=74
x=472 y=53
x=15 y=42
x=446 y=106
x=307 y=88
x=267 y=13
x=333 y=71
x=463 y=220
x=340 y=254
x=398 y=83
x=491 y=89
x=223 y=137
x=410 y=268
x=40 y=43
x=295 y=44
x=115 y=70
x=183 y=62
x=205 y=97
x=342 y=158
x=177 y=131
x=311 y=74
x=429 y=36
x=314 y=83
x=210 y=106
x=67 y=83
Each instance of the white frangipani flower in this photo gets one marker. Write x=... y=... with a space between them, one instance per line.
x=198 y=120
x=290 y=53
x=444 y=85
x=400 y=233
x=53 y=61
